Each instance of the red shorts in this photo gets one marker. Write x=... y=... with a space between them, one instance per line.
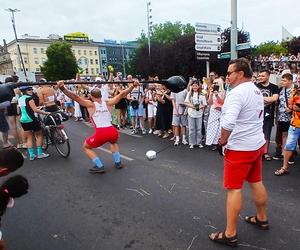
x=102 y=136
x=242 y=165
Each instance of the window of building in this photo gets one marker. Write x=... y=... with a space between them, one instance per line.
x=73 y=50
x=25 y=60
x=36 y=60
x=95 y=52
x=96 y=61
x=79 y=52
x=26 y=69
x=42 y=50
x=35 y=50
x=84 y=52
x=91 y=61
x=43 y=60
x=37 y=70
x=93 y=72
x=86 y=70
x=86 y=61
x=91 y=53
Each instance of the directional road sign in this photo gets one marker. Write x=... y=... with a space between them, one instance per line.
x=243 y=46
x=208 y=48
x=207 y=28
x=208 y=39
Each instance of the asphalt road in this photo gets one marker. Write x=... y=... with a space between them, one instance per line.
x=173 y=202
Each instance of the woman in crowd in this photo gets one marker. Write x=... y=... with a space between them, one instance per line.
x=196 y=103
x=30 y=123
x=164 y=111
x=150 y=100
x=121 y=107
x=216 y=96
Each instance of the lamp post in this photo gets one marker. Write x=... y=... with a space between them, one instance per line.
x=123 y=58
x=149 y=23
x=19 y=54
x=233 y=33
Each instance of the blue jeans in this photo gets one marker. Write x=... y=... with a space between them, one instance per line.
x=292 y=138
x=195 y=127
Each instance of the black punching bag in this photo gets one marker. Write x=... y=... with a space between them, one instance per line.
x=175 y=84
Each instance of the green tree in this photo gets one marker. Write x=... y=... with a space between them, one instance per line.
x=270 y=47
x=60 y=63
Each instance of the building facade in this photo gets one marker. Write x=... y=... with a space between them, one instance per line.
x=92 y=57
x=6 y=66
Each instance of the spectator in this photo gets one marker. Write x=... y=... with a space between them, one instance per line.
x=270 y=93
x=179 y=120
x=151 y=102
x=196 y=103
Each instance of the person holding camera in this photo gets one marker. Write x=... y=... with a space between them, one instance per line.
x=293 y=132
x=136 y=99
x=216 y=98
x=195 y=102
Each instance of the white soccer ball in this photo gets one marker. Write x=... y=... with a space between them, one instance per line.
x=151 y=155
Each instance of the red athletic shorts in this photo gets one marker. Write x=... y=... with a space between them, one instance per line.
x=102 y=136
x=242 y=165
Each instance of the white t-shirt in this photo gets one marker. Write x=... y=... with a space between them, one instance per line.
x=104 y=92
x=195 y=99
x=179 y=101
x=243 y=114
x=150 y=96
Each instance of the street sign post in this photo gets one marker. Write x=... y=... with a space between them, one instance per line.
x=243 y=46
x=225 y=55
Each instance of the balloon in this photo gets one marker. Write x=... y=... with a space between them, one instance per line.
x=151 y=155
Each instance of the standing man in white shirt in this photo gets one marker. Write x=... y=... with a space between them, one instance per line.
x=242 y=133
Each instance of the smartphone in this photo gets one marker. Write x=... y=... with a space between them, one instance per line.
x=216 y=88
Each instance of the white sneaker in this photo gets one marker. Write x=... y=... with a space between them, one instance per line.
x=176 y=143
x=43 y=155
x=200 y=145
x=184 y=142
x=143 y=131
x=191 y=146
x=133 y=132
x=156 y=132
x=150 y=131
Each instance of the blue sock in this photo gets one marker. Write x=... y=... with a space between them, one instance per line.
x=97 y=162
x=117 y=157
x=30 y=152
x=39 y=150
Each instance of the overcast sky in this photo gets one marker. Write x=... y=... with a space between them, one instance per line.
x=125 y=19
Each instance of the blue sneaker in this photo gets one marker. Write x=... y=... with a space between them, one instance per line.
x=32 y=157
x=43 y=155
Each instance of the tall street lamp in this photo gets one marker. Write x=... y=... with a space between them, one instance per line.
x=19 y=54
x=149 y=22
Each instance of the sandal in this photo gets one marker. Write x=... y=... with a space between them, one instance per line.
x=220 y=237
x=281 y=171
x=264 y=225
x=267 y=157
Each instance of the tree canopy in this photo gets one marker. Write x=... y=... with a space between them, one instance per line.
x=270 y=47
x=61 y=63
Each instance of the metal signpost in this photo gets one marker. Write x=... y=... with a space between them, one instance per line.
x=207 y=39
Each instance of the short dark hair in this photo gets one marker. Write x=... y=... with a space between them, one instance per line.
x=96 y=93
x=287 y=76
x=11 y=158
x=242 y=64
x=9 y=79
x=265 y=71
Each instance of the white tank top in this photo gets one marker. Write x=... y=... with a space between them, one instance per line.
x=102 y=117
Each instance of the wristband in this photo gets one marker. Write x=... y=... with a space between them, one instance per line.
x=62 y=88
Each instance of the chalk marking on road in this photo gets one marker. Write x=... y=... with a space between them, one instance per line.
x=203 y=191
x=296 y=229
x=196 y=218
x=210 y=226
x=164 y=188
x=145 y=191
x=135 y=190
x=172 y=187
x=122 y=156
x=282 y=241
x=192 y=242
x=251 y=246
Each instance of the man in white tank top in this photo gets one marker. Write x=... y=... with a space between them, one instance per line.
x=100 y=113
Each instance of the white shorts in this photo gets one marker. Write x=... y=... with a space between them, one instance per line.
x=151 y=110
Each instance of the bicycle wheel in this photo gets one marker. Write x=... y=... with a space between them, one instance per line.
x=61 y=142
x=45 y=139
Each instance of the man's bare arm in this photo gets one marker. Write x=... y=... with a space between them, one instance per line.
x=118 y=97
x=73 y=96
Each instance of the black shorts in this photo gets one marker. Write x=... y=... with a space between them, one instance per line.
x=283 y=126
x=52 y=108
x=31 y=126
x=4 y=127
x=267 y=128
x=12 y=110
